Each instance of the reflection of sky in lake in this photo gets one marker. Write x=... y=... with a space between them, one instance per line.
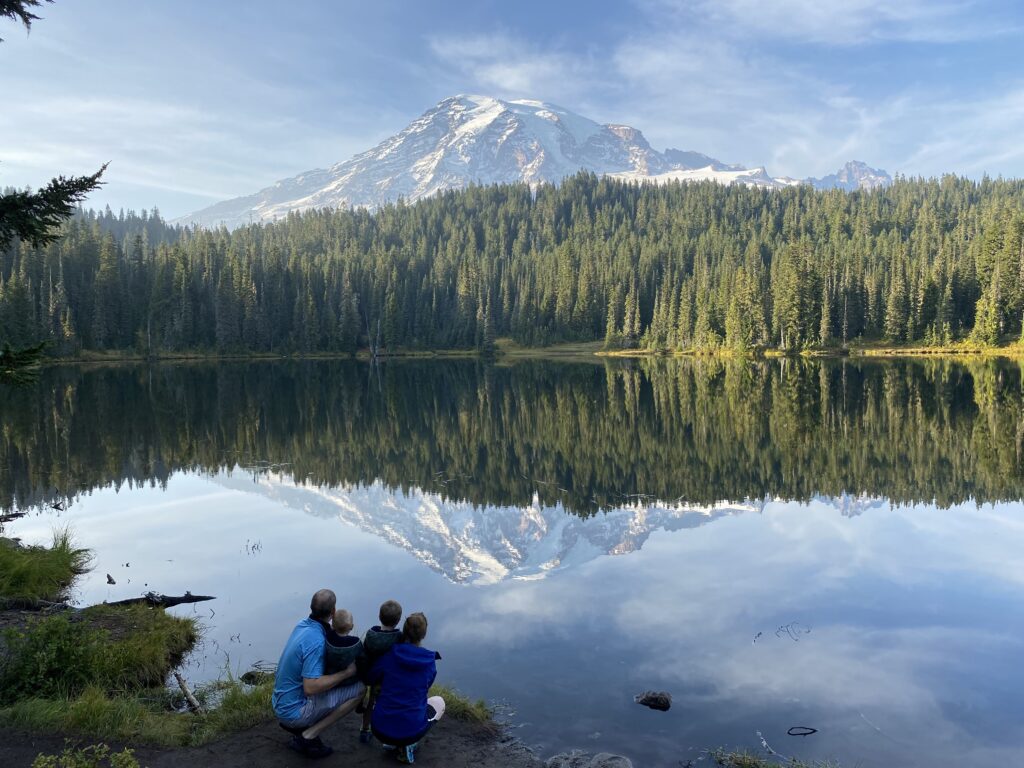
x=916 y=614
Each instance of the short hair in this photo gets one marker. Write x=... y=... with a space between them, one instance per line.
x=415 y=628
x=322 y=605
x=390 y=613
x=343 y=619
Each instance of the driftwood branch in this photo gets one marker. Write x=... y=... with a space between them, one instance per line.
x=11 y=516
x=152 y=599
x=193 y=702
x=31 y=604
x=156 y=600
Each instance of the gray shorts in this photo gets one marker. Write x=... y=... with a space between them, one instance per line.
x=320 y=706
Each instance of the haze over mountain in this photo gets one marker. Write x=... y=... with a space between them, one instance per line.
x=478 y=139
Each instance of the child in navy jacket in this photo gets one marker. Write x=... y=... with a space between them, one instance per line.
x=403 y=713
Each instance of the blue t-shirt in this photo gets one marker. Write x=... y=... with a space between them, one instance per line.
x=302 y=657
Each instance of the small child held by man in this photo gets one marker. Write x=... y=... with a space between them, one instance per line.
x=342 y=647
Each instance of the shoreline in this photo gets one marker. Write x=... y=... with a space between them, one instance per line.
x=1014 y=351
x=451 y=744
x=576 y=352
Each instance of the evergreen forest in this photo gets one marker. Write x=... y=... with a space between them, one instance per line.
x=674 y=267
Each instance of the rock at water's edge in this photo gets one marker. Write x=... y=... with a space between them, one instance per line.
x=655 y=700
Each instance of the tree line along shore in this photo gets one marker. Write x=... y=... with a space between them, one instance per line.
x=933 y=264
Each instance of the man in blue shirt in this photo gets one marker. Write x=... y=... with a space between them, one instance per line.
x=306 y=700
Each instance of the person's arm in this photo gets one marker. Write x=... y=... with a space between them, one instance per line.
x=311 y=686
x=314 y=680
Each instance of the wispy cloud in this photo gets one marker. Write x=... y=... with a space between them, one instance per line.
x=839 y=22
x=505 y=65
x=722 y=77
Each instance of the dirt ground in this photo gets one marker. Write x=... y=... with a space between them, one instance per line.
x=451 y=744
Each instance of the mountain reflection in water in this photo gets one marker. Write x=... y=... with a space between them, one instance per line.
x=472 y=544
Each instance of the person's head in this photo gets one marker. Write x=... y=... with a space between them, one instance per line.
x=322 y=605
x=342 y=621
x=390 y=614
x=415 y=628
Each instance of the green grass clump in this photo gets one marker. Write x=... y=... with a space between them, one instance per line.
x=96 y=756
x=142 y=719
x=463 y=708
x=115 y=649
x=41 y=573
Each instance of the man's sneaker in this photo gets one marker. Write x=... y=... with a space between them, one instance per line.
x=365 y=735
x=312 y=748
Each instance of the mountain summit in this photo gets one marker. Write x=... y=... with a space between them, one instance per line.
x=479 y=139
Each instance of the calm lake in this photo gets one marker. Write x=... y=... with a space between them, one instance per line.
x=831 y=544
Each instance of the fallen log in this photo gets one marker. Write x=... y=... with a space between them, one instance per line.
x=12 y=516
x=156 y=600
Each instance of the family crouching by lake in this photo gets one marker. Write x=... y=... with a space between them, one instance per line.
x=326 y=672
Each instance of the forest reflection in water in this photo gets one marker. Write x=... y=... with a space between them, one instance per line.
x=583 y=436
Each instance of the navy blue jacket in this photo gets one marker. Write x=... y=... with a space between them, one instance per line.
x=405 y=674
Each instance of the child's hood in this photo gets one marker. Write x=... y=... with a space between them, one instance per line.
x=342 y=641
x=413 y=656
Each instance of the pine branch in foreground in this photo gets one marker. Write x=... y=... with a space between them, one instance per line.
x=19 y=11
x=34 y=216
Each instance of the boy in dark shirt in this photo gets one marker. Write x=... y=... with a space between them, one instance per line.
x=342 y=647
x=378 y=641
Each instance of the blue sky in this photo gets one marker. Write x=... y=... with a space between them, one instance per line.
x=193 y=102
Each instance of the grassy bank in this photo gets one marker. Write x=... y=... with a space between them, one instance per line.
x=144 y=717
x=41 y=573
x=462 y=707
x=1014 y=350
x=100 y=672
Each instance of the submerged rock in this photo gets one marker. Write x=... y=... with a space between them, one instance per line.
x=655 y=700
x=578 y=759
x=257 y=677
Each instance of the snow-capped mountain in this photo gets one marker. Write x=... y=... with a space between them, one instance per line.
x=479 y=139
x=470 y=544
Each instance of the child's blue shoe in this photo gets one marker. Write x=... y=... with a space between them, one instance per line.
x=408 y=755
x=365 y=736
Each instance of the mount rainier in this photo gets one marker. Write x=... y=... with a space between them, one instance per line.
x=478 y=139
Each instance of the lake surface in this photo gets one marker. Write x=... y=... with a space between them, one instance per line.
x=833 y=544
